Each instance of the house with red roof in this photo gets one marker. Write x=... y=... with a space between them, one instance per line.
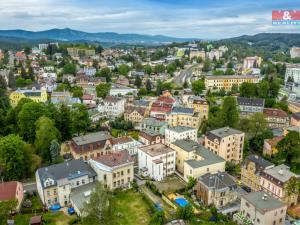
x=276 y=118
x=12 y=190
x=161 y=107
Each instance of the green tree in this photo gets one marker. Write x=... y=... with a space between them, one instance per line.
x=15 y=157
x=80 y=119
x=157 y=218
x=293 y=186
x=206 y=66
x=229 y=115
x=6 y=207
x=103 y=89
x=46 y=132
x=198 y=86
x=247 y=89
x=138 y=81
x=99 y=209
x=185 y=213
x=54 y=150
x=148 y=69
x=160 y=68
x=27 y=117
x=11 y=79
x=148 y=85
x=105 y=72
x=289 y=148
x=191 y=183
x=63 y=122
x=263 y=89
x=69 y=68
x=123 y=69
x=77 y=91
x=171 y=68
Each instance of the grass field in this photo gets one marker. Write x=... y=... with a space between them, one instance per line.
x=131 y=209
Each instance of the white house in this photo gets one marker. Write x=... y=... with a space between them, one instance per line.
x=122 y=90
x=156 y=161
x=180 y=133
x=126 y=143
x=112 y=106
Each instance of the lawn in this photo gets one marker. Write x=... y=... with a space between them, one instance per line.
x=49 y=218
x=131 y=209
x=170 y=184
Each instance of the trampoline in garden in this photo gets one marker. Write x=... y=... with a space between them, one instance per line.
x=182 y=202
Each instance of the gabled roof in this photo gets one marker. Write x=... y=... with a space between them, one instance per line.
x=251 y=101
x=66 y=170
x=182 y=110
x=218 y=181
x=296 y=116
x=260 y=162
x=121 y=140
x=8 y=190
x=270 y=112
x=91 y=138
x=115 y=159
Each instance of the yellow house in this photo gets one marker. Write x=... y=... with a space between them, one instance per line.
x=181 y=116
x=194 y=160
x=199 y=105
x=35 y=95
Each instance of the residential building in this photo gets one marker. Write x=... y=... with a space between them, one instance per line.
x=200 y=105
x=150 y=137
x=117 y=89
x=55 y=183
x=76 y=52
x=125 y=143
x=90 y=145
x=251 y=170
x=88 y=82
x=194 y=160
x=295 y=119
x=292 y=73
x=114 y=170
x=275 y=180
x=295 y=52
x=180 y=133
x=197 y=53
x=227 y=143
x=270 y=145
x=294 y=107
x=112 y=106
x=252 y=62
x=258 y=208
x=80 y=196
x=181 y=116
x=12 y=190
x=161 y=107
x=156 y=161
x=153 y=124
x=250 y=105
x=186 y=94
x=276 y=118
x=218 y=189
x=34 y=95
x=135 y=114
x=227 y=81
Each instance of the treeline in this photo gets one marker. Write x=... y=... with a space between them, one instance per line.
x=31 y=134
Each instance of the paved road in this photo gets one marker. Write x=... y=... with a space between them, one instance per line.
x=184 y=75
x=30 y=186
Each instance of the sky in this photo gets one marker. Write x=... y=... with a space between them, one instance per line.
x=206 y=19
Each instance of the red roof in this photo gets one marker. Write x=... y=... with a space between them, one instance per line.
x=87 y=97
x=8 y=190
x=164 y=99
x=115 y=158
x=161 y=107
x=121 y=140
x=269 y=112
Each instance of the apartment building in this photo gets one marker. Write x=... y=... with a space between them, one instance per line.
x=153 y=124
x=276 y=118
x=250 y=105
x=125 y=143
x=252 y=62
x=295 y=52
x=135 y=114
x=55 y=183
x=194 y=160
x=200 y=105
x=181 y=116
x=275 y=180
x=218 y=189
x=33 y=94
x=227 y=143
x=295 y=119
x=12 y=191
x=114 y=170
x=180 y=133
x=150 y=137
x=227 y=81
x=112 y=106
x=90 y=145
x=292 y=73
x=259 y=208
x=251 y=170
x=156 y=161
x=294 y=107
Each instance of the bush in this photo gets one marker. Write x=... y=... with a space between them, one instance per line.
x=27 y=203
x=74 y=220
x=153 y=188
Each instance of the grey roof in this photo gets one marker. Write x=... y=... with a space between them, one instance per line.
x=91 y=138
x=153 y=122
x=222 y=132
x=142 y=102
x=260 y=162
x=82 y=194
x=182 y=110
x=218 y=181
x=66 y=170
x=180 y=129
x=262 y=201
x=251 y=101
x=209 y=157
x=281 y=172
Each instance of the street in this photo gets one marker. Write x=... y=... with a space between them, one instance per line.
x=184 y=76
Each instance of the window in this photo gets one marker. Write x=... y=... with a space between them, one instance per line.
x=83 y=181
x=258 y=220
x=77 y=183
x=104 y=177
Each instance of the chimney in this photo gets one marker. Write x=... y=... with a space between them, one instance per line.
x=280 y=171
